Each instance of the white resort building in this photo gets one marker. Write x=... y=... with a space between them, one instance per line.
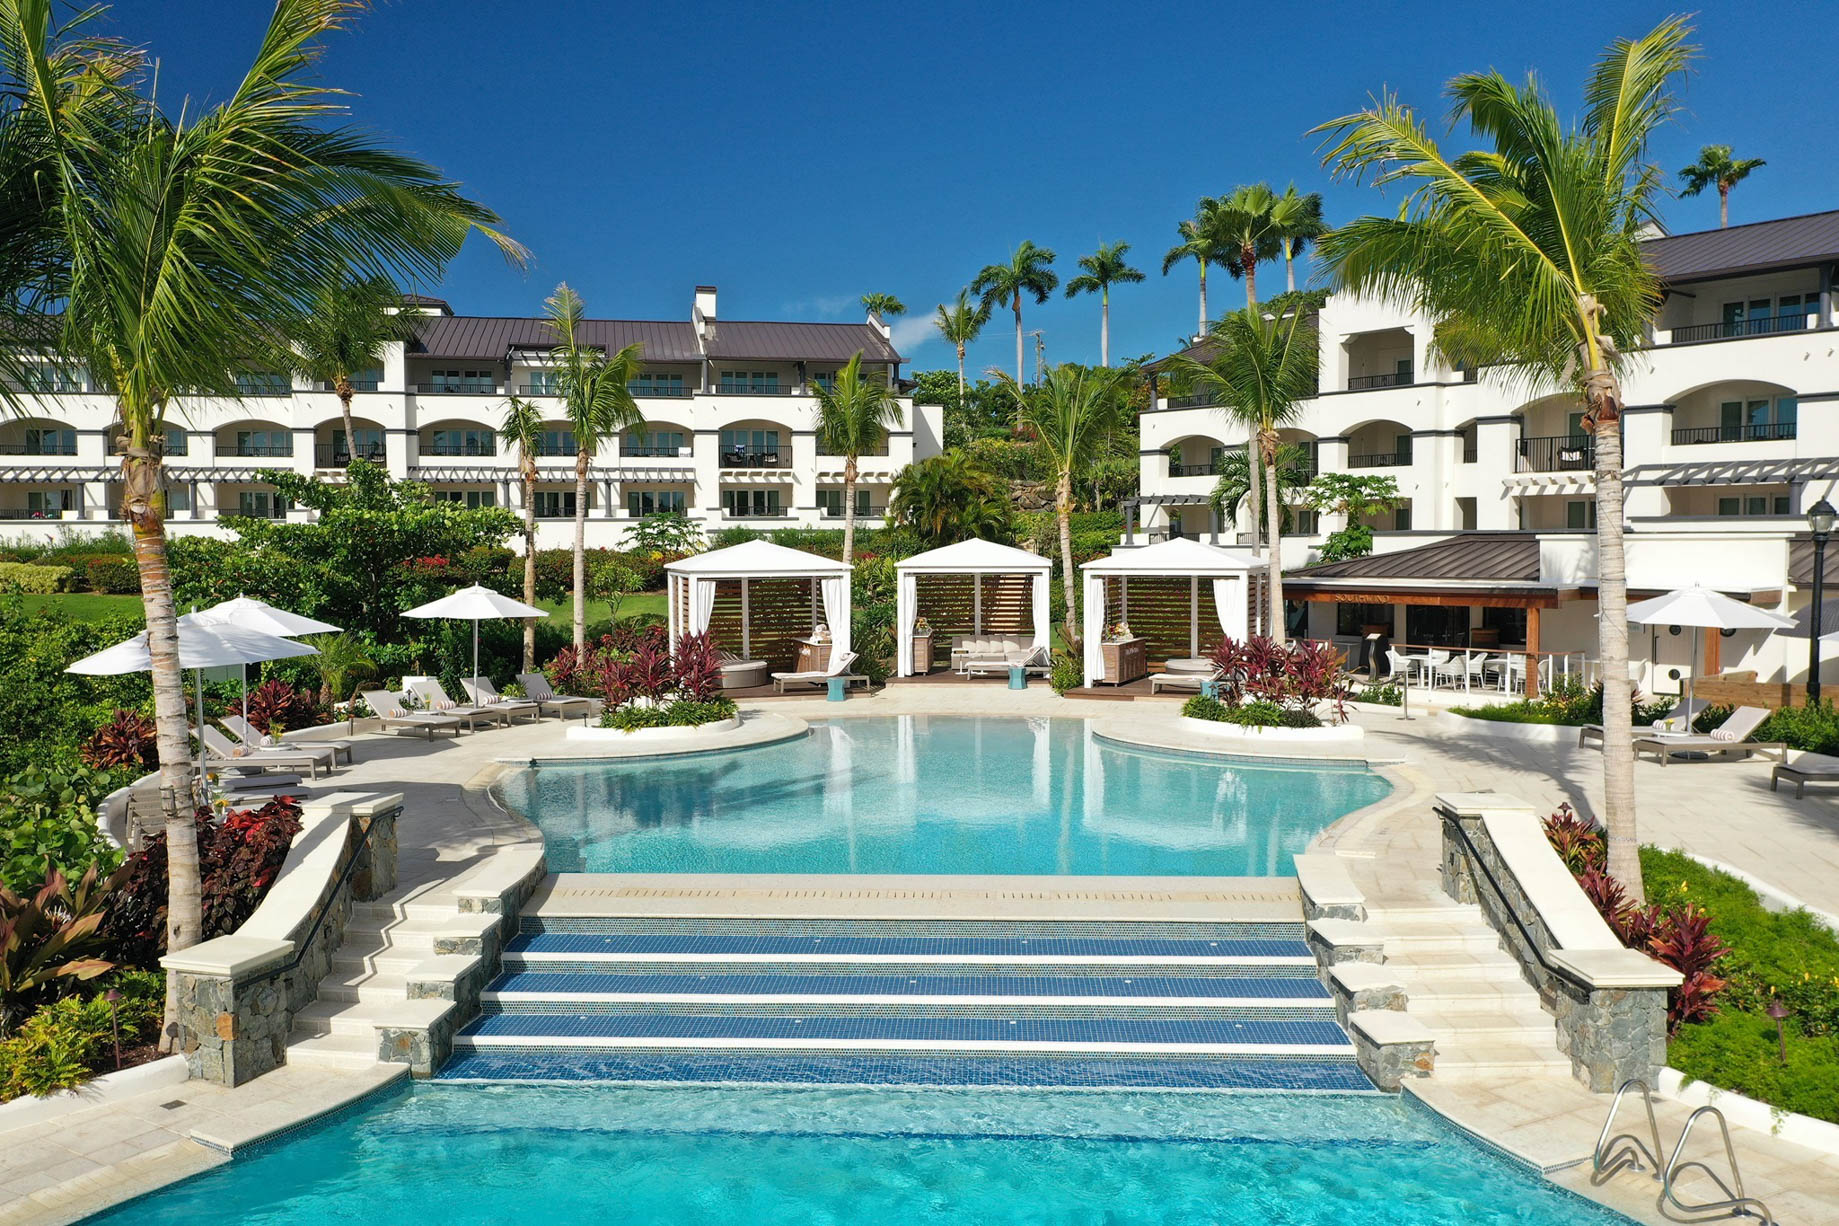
x=1730 y=436
x=730 y=438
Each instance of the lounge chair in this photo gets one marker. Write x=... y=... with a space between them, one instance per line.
x=1036 y=660
x=1679 y=719
x=544 y=696
x=1187 y=683
x=245 y=732
x=388 y=708
x=222 y=748
x=484 y=693
x=434 y=694
x=1730 y=737
x=839 y=668
x=1805 y=769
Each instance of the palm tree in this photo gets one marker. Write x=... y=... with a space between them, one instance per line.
x=1248 y=229
x=1262 y=370
x=1200 y=242
x=345 y=329
x=1715 y=167
x=1103 y=269
x=1027 y=272
x=854 y=414
x=1234 y=488
x=948 y=498
x=1298 y=220
x=598 y=403
x=1071 y=412
x=523 y=425
x=1529 y=252
x=180 y=246
x=959 y=324
x=884 y=307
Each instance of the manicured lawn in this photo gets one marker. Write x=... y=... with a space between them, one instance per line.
x=640 y=603
x=88 y=606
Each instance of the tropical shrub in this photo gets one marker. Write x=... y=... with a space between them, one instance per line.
x=114 y=575
x=238 y=859
x=664 y=538
x=35 y=580
x=48 y=823
x=1068 y=672
x=649 y=688
x=128 y=740
x=52 y=936
x=1566 y=701
x=1813 y=728
x=1256 y=714
x=1295 y=677
x=682 y=713
x=277 y=704
x=68 y=1041
x=1388 y=694
x=1579 y=843
x=699 y=668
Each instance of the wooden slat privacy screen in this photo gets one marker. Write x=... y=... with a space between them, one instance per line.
x=947 y=603
x=1160 y=607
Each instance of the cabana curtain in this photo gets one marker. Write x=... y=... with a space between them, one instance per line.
x=976 y=559
x=836 y=612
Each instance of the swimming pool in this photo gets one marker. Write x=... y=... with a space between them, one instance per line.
x=696 y=1156
x=938 y=794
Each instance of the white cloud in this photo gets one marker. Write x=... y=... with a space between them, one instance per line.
x=913 y=332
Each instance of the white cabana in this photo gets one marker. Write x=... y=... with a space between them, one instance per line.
x=976 y=559
x=691 y=586
x=1226 y=571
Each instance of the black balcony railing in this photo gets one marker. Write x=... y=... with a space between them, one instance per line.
x=459 y=387
x=537 y=389
x=670 y=391
x=757 y=513
x=861 y=512
x=264 y=451
x=22 y=513
x=1556 y=453
x=755 y=389
x=1209 y=469
x=1362 y=383
x=1380 y=459
x=650 y=451
x=329 y=456
x=50 y=448
x=1767 y=325
x=1194 y=400
x=755 y=457
x=1755 y=432
x=481 y=447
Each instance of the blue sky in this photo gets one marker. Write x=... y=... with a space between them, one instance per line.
x=799 y=154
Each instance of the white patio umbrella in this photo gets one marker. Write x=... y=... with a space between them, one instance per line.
x=475 y=604
x=202 y=645
x=1702 y=607
x=248 y=613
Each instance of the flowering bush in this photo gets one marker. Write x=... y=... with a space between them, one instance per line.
x=1293 y=677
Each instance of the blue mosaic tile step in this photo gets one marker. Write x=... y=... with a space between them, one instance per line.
x=608 y=925
x=586 y=943
x=563 y=1027
x=874 y=1068
x=1295 y=988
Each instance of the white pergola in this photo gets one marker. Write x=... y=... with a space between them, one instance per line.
x=1228 y=571
x=976 y=559
x=691 y=581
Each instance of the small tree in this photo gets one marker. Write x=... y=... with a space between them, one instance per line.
x=854 y=414
x=523 y=425
x=345 y=329
x=1717 y=168
x=1354 y=496
x=884 y=307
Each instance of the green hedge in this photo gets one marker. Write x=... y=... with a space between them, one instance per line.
x=680 y=714
x=1250 y=715
x=35 y=580
x=114 y=575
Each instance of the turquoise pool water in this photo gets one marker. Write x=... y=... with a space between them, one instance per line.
x=933 y=794
x=460 y=1155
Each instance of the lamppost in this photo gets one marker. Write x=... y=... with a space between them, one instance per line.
x=1820 y=520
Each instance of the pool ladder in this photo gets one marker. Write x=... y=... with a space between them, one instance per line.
x=1627 y=1151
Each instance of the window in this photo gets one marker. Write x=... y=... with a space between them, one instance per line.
x=640 y=503
x=1307 y=522
x=825 y=379
x=370 y=444
x=466 y=440
x=1404 y=450
x=555 y=504
x=48 y=504
x=461 y=381
x=556 y=442
x=1401 y=520
x=1356 y=619
x=1760 y=316
x=260 y=504
x=653 y=443
x=750 y=382
x=1428 y=625
x=367 y=380
x=1509 y=625
x=1402 y=368
x=653 y=384
x=1764 y=418
x=178 y=497
x=50 y=440
x=262 y=383
x=1755 y=504
x=1580 y=515
x=745 y=503
x=50 y=377
x=178 y=442
x=266 y=442
x=474 y=499
x=831 y=502
x=542 y=383
x=752 y=449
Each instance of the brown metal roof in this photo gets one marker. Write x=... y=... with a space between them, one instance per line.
x=783 y=342
x=492 y=336
x=1480 y=557
x=1787 y=242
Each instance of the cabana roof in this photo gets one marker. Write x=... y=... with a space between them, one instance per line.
x=975 y=557
x=1178 y=556
x=756 y=560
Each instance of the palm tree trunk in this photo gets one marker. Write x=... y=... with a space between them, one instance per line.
x=1254 y=501
x=529 y=470
x=1019 y=377
x=1104 y=328
x=345 y=392
x=1250 y=256
x=1063 y=511
x=1203 y=299
x=1274 y=518
x=960 y=376
x=1603 y=397
x=185 y=908
x=1723 y=206
x=1289 y=268
x=580 y=570
x=849 y=513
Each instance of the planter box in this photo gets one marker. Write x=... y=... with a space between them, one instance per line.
x=1502 y=730
x=686 y=732
x=111 y=1087
x=1339 y=736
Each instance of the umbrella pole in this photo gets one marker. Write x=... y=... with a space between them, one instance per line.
x=475 y=653
x=244 y=669
x=203 y=769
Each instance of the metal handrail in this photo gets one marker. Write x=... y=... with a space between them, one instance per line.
x=1625 y=1151
x=1551 y=968
x=304 y=943
x=1735 y=1203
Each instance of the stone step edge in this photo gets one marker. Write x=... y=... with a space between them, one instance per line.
x=669 y=1043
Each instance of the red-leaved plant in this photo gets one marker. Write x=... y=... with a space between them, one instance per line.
x=699 y=667
x=1579 y=843
x=1297 y=676
x=275 y=703
x=127 y=739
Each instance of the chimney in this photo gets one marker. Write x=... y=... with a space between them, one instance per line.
x=875 y=321
x=703 y=315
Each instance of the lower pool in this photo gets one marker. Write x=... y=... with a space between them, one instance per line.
x=730 y=1156
x=938 y=794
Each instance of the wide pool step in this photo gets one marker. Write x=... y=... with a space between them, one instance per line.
x=531 y=948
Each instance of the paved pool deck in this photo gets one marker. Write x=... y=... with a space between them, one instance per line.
x=80 y=1163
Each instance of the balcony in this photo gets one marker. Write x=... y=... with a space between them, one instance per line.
x=757 y=457
x=1380 y=459
x=262 y=451
x=545 y=451
x=669 y=391
x=22 y=513
x=460 y=387
x=328 y=455
x=537 y=389
x=51 y=447
x=653 y=452
x=1759 y=432
x=1195 y=400
x=484 y=447
x=758 y=513
x=1209 y=469
x=756 y=389
x=357 y=385
x=1768 y=325
x=1556 y=453
x=1364 y=383
x=861 y=512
